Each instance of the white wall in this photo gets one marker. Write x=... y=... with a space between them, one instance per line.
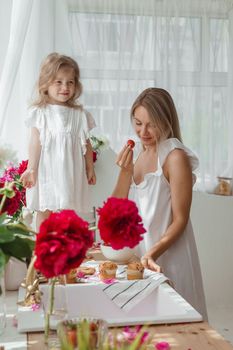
x=212 y=218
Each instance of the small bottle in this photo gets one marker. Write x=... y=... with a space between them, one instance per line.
x=224 y=187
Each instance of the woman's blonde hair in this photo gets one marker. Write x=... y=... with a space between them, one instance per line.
x=161 y=108
x=49 y=68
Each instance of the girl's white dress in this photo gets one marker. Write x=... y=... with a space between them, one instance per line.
x=62 y=181
x=180 y=263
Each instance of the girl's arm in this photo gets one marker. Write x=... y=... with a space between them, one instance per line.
x=125 y=161
x=91 y=177
x=177 y=170
x=29 y=177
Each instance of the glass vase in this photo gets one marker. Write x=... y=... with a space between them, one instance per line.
x=55 y=309
x=2 y=304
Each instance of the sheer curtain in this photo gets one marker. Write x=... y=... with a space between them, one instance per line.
x=123 y=47
x=37 y=28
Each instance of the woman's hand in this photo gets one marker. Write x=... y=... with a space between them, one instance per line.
x=125 y=159
x=28 y=178
x=149 y=263
x=125 y=162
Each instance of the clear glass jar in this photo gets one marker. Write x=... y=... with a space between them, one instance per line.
x=224 y=187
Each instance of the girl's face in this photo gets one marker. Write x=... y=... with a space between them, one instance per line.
x=63 y=86
x=144 y=127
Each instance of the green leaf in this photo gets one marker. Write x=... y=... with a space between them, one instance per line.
x=7 y=191
x=2 y=262
x=20 y=228
x=6 y=235
x=19 y=248
x=3 y=218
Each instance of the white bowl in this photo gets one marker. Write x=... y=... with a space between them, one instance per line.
x=120 y=256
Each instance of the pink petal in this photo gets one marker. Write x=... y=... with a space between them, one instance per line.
x=109 y=280
x=163 y=345
x=80 y=274
x=35 y=307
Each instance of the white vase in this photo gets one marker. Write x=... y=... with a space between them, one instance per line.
x=121 y=256
x=15 y=272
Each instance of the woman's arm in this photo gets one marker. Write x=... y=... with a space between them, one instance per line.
x=29 y=177
x=177 y=170
x=125 y=161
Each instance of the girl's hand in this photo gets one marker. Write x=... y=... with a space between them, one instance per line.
x=125 y=158
x=91 y=177
x=149 y=263
x=28 y=178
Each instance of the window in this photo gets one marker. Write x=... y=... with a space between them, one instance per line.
x=120 y=55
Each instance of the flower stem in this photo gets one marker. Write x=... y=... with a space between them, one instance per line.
x=92 y=228
x=50 y=309
x=2 y=202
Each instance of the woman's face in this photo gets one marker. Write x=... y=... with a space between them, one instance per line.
x=144 y=127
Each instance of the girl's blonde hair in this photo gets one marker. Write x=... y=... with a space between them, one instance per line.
x=49 y=68
x=161 y=108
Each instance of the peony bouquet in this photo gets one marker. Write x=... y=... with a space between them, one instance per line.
x=16 y=239
x=9 y=183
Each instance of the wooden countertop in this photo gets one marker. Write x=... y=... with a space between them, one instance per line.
x=188 y=336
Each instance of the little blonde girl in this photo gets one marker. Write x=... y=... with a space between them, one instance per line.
x=60 y=163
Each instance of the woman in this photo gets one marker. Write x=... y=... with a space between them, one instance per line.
x=158 y=177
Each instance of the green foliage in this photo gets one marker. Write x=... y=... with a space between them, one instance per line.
x=15 y=237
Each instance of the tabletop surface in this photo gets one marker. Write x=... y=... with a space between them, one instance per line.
x=190 y=336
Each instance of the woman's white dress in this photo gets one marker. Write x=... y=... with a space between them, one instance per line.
x=62 y=181
x=180 y=263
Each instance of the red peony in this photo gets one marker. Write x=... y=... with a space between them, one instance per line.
x=22 y=167
x=61 y=243
x=12 y=205
x=119 y=224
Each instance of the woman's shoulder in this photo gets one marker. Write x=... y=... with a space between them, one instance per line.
x=173 y=150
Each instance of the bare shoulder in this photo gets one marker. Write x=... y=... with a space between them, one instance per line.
x=177 y=156
x=177 y=162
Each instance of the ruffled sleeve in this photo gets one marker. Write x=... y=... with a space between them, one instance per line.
x=35 y=118
x=90 y=120
x=169 y=145
x=88 y=123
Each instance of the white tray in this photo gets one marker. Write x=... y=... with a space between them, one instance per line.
x=163 y=305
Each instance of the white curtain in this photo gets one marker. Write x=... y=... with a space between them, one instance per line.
x=123 y=47
x=37 y=28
